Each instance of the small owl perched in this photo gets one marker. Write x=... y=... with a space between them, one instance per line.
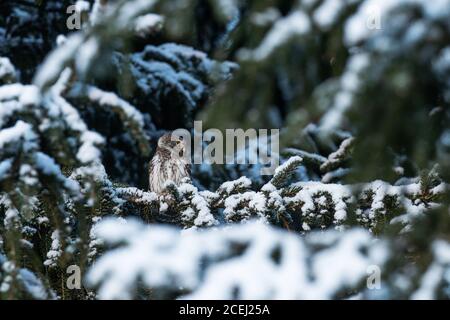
x=169 y=163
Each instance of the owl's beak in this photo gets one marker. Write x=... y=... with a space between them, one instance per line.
x=173 y=144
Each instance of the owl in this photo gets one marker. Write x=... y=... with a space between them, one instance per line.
x=169 y=163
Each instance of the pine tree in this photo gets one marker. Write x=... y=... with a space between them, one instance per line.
x=362 y=100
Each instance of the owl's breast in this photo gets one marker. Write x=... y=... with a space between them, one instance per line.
x=163 y=170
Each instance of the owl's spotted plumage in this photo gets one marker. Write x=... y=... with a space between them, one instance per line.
x=169 y=163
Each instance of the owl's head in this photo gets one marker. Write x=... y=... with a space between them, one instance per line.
x=176 y=144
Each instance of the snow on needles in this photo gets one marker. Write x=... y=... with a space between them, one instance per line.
x=358 y=27
x=7 y=70
x=111 y=99
x=297 y=23
x=436 y=273
x=272 y=264
x=20 y=131
x=148 y=24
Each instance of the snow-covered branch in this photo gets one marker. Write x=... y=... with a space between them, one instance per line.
x=250 y=261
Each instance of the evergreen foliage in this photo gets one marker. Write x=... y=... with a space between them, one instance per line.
x=365 y=149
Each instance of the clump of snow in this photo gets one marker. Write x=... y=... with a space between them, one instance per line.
x=86 y=55
x=228 y=8
x=5 y=166
x=325 y=15
x=148 y=24
x=21 y=131
x=88 y=152
x=82 y=6
x=46 y=165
